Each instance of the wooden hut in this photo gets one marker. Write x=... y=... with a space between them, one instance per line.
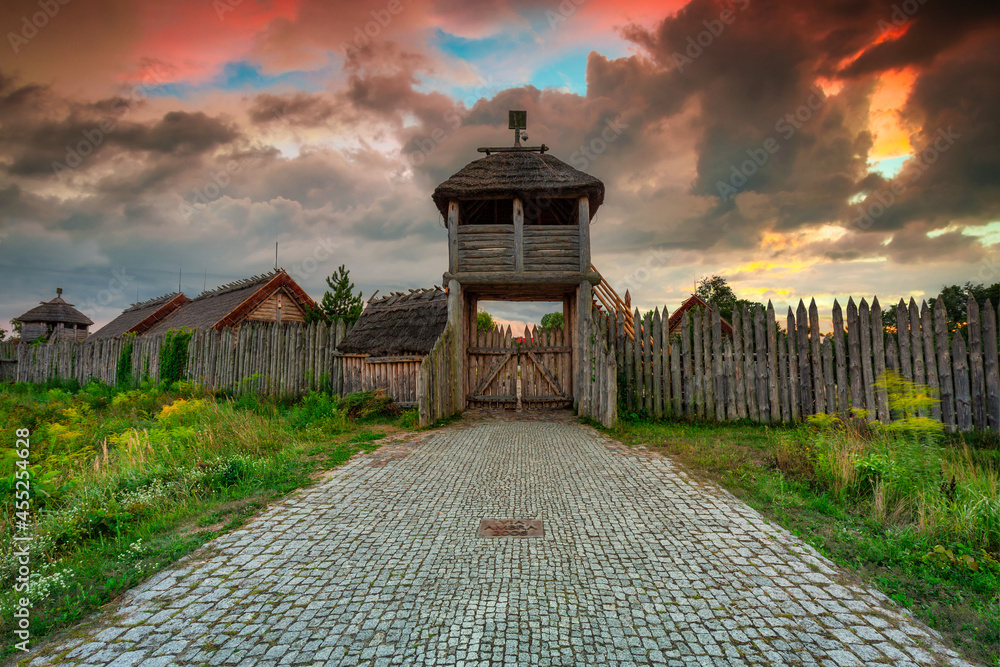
x=53 y=321
x=694 y=301
x=390 y=339
x=141 y=317
x=272 y=297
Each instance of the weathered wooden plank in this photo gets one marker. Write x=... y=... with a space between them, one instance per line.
x=629 y=370
x=676 y=393
x=805 y=363
x=518 y=234
x=773 y=380
x=657 y=365
x=794 y=400
x=665 y=362
x=854 y=355
x=878 y=354
x=749 y=370
x=763 y=391
x=729 y=379
x=583 y=221
x=864 y=321
x=640 y=384
x=698 y=361
x=930 y=362
x=944 y=365
x=826 y=351
x=916 y=344
x=708 y=388
x=819 y=386
x=737 y=372
x=687 y=364
x=891 y=355
x=960 y=373
x=783 y=398
x=647 y=358
x=989 y=317
x=903 y=339
x=977 y=372
x=718 y=376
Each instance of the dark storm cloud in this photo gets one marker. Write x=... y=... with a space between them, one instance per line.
x=764 y=127
x=931 y=28
x=300 y=109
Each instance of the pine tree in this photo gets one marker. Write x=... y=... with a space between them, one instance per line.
x=341 y=304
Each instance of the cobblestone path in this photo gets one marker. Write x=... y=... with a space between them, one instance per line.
x=380 y=565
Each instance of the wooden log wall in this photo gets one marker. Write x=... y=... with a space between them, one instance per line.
x=768 y=373
x=439 y=382
x=268 y=358
x=398 y=376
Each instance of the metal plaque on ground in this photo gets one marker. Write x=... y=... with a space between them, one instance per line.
x=510 y=528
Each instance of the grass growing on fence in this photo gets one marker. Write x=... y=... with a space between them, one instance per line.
x=125 y=482
x=913 y=512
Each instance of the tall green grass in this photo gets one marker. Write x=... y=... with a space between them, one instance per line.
x=121 y=480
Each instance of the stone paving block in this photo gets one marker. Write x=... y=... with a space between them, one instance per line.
x=640 y=564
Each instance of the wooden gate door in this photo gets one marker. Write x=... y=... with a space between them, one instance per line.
x=541 y=360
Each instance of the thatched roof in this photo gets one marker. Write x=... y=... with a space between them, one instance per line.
x=399 y=324
x=229 y=304
x=522 y=174
x=55 y=311
x=140 y=317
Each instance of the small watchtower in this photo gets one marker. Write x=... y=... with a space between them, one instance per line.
x=519 y=230
x=54 y=320
x=519 y=217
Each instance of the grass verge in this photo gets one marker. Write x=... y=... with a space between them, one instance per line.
x=784 y=474
x=124 y=482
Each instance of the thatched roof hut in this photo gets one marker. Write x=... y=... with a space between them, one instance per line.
x=141 y=317
x=272 y=297
x=399 y=324
x=54 y=320
x=521 y=174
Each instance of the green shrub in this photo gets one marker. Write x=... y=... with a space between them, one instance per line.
x=174 y=355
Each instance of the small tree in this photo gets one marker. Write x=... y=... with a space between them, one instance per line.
x=716 y=292
x=341 y=304
x=552 y=321
x=484 y=321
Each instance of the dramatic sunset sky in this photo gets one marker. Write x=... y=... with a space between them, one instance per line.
x=140 y=137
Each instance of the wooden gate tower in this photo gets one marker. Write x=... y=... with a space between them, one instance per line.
x=519 y=230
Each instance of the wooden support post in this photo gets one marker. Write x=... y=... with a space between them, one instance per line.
x=453 y=265
x=457 y=351
x=519 y=235
x=584 y=220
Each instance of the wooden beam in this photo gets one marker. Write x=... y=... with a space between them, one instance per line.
x=584 y=221
x=453 y=236
x=518 y=235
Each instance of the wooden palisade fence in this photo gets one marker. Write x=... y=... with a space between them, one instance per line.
x=265 y=358
x=768 y=375
x=598 y=398
x=439 y=379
